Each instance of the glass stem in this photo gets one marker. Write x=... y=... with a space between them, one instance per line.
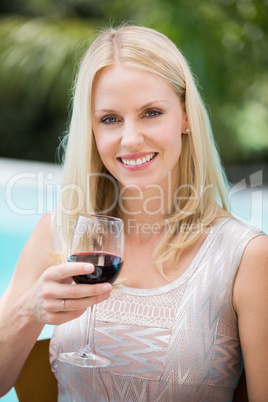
x=88 y=345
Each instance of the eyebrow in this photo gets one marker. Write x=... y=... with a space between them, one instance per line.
x=146 y=106
x=150 y=104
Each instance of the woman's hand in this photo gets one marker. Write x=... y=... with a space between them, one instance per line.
x=55 y=299
x=35 y=297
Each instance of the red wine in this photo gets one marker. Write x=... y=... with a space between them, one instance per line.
x=107 y=267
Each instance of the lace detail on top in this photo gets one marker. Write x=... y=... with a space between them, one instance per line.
x=146 y=310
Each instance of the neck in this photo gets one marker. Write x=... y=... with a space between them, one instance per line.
x=144 y=211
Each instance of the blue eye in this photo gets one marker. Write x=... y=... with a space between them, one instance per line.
x=109 y=120
x=153 y=113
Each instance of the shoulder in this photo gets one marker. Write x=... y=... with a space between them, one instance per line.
x=232 y=225
x=41 y=239
x=252 y=275
x=255 y=257
x=44 y=224
x=256 y=250
x=42 y=235
x=38 y=247
x=235 y=234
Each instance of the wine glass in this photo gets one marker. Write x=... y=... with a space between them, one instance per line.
x=99 y=240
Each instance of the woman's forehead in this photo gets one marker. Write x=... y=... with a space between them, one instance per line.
x=130 y=85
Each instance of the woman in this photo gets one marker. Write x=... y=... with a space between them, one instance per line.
x=192 y=289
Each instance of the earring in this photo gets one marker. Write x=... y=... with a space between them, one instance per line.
x=187 y=131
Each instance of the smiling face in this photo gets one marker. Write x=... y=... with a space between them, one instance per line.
x=137 y=121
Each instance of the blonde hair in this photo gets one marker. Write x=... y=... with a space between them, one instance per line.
x=88 y=186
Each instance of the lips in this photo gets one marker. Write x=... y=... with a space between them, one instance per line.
x=139 y=160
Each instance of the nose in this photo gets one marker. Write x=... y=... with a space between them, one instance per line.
x=131 y=137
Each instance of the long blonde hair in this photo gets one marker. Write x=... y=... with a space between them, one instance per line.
x=87 y=185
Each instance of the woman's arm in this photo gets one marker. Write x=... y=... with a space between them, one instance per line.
x=34 y=298
x=251 y=303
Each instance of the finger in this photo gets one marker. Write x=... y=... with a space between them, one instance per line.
x=53 y=307
x=62 y=316
x=71 y=305
x=80 y=291
x=62 y=291
x=63 y=271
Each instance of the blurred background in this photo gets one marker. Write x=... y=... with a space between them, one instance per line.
x=41 y=44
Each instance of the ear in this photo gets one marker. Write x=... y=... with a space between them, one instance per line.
x=184 y=123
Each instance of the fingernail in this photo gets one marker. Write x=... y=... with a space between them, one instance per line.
x=105 y=296
x=106 y=287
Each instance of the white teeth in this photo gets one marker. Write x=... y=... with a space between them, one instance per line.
x=139 y=161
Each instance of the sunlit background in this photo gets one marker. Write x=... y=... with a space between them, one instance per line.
x=41 y=43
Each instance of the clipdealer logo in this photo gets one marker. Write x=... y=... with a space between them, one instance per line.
x=245 y=197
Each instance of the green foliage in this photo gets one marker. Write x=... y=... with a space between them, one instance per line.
x=225 y=42
x=37 y=63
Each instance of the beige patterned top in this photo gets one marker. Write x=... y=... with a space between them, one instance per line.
x=178 y=342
